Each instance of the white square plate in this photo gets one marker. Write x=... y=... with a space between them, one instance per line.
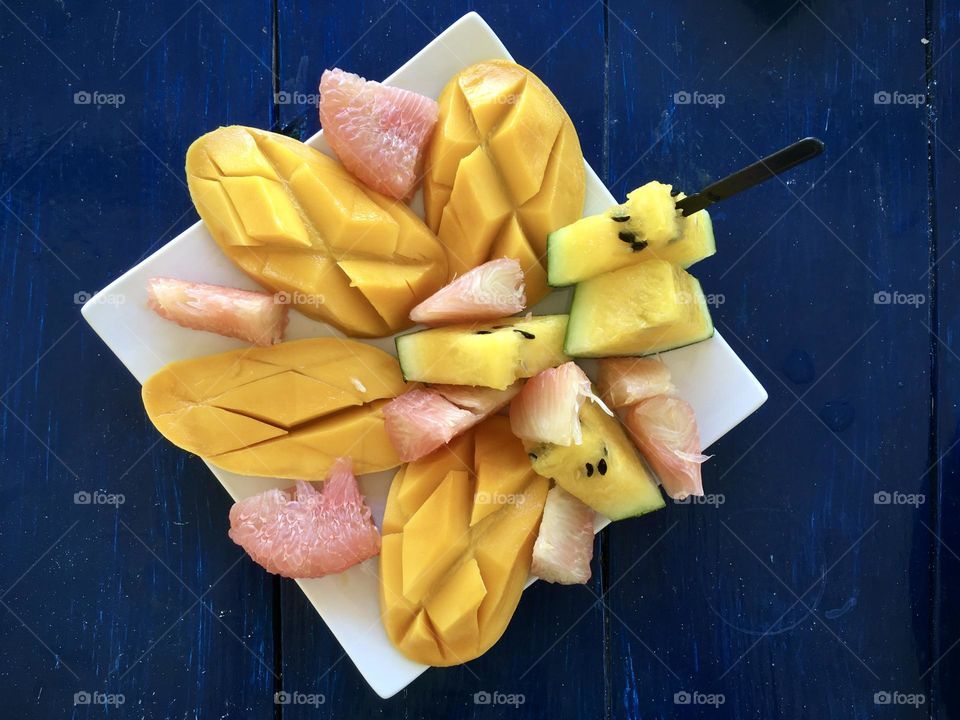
x=709 y=375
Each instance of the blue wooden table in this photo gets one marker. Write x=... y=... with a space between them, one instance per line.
x=825 y=583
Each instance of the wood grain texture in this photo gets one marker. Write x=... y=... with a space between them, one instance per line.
x=798 y=279
x=695 y=598
x=943 y=123
x=88 y=190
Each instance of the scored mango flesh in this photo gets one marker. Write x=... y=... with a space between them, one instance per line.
x=458 y=534
x=504 y=170
x=298 y=223
x=285 y=411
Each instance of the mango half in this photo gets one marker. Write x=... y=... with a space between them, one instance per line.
x=298 y=223
x=458 y=534
x=286 y=411
x=504 y=170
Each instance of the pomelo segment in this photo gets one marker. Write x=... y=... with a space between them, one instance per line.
x=665 y=429
x=489 y=291
x=378 y=132
x=547 y=410
x=257 y=318
x=422 y=420
x=627 y=381
x=306 y=533
x=564 y=546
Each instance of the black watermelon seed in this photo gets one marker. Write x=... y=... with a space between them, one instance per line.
x=638 y=245
x=589 y=470
x=620 y=218
x=527 y=335
x=482 y=332
x=602 y=466
x=532 y=456
x=627 y=237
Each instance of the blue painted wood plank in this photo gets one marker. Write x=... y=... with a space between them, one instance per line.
x=145 y=598
x=697 y=91
x=942 y=521
x=563 y=42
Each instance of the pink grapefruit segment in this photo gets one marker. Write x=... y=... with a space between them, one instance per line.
x=307 y=533
x=564 y=547
x=378 y=132
x=626 y=381
x=547 y=410
x=665 y=429
x=422 y=420
x=255 y=317
x=488 y=292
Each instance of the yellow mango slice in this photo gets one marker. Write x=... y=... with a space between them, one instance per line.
x=265 y=211
x=415 y=482
x=459 y=136
x=348 y=220
x=502 y=469
x=491 y=89
x=504 y=170
x=453 y=608
x=512 y=242
x=451 y=575
x=436 y=534
x=288 y=215
x=286 y=411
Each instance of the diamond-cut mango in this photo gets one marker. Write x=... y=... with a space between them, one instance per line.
x=286 y=411
x=458 y=534
x=504 y=170
x=295 y=220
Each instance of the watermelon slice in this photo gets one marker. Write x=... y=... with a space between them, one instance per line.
x=378 y=132
x=547 y=410
x=306 y=533
x=422 y=420
x=665 y=429
x=489 y=291
x=257 y=318
x=564 y=546
x=627 y=381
